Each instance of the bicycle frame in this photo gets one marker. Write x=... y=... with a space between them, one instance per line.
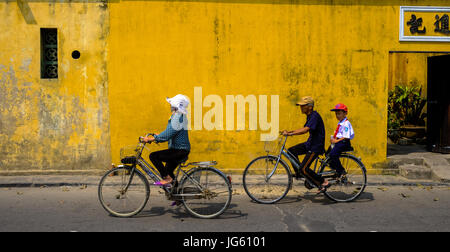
x=145 y=168
x=294 y=161
x=347 y=185
x=285 y=153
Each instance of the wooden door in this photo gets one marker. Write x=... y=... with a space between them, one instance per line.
x=438 y=104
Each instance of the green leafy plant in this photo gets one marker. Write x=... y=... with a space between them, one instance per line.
x=405 y=105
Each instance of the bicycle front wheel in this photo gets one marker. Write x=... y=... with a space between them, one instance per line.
x=348 y=187
x=265 y=184
x=205 y=192
x=123 y=193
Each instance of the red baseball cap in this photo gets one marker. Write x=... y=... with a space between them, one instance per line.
x=340 y=106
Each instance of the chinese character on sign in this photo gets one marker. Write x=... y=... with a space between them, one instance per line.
x=415 y=24
x=442 y=24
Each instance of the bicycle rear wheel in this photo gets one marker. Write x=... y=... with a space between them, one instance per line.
x=123 y=193
x=262 y=188
x=348 y=187
x=206 y=192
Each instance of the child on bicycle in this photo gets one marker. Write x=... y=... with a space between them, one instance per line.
x=341 y=139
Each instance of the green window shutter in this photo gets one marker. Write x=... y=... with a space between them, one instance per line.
x=49 y=53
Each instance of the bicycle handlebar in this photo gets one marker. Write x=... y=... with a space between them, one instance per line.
x=281 y=134
x=149 y=134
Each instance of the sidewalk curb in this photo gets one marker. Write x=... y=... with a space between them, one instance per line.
x=25 y=185
x=60 y=181
x=48 y=181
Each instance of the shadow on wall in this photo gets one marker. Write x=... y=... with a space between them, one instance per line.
x=26 y=12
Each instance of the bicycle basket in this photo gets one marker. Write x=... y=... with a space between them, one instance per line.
x=128 y=154
x=273 y=146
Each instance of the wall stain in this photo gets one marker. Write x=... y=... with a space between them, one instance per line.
x=216 y=56
x=49 y=125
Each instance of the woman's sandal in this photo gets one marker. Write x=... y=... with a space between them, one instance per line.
x=161 y=184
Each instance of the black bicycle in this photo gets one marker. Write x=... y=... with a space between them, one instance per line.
x=268 y=179
x=124 y=190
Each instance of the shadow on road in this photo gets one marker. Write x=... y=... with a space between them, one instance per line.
x=181 y=213
x=321 y=199
x=314 y=198
x=318 y=198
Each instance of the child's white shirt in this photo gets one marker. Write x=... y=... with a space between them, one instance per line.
x=345 y=130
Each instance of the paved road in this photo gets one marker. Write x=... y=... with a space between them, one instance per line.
x=381 y=208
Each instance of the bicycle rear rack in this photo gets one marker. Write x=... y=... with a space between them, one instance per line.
x=202 y=164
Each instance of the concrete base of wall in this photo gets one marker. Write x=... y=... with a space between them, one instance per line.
x=51 y=172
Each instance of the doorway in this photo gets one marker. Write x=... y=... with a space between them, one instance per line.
x=438 y=104
x=408 y=76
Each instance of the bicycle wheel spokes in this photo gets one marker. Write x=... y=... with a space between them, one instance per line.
x=120 y=197
x=351 y=185
x=262 y=183
x=206 y=193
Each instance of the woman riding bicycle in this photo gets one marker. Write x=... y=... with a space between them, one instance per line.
x=176 y=134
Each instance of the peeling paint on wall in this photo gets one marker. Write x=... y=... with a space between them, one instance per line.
x=335 y=51
x=59 y=125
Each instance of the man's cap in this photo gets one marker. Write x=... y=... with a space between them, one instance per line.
x=306 y=100
x=340 y=106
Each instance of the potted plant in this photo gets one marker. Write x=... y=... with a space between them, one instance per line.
x=405 y=105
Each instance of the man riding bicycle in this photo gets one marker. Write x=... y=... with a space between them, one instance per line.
x=314 y=146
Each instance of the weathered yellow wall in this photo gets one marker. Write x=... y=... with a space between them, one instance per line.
x=335 y=51
x=62 y=125
x=136 y=53
x=409 y=69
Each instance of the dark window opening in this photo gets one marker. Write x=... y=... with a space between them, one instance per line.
x=49 y=53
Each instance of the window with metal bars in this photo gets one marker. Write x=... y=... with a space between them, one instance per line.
x=49 y=53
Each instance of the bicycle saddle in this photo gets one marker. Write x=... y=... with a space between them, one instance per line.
x=350 y=149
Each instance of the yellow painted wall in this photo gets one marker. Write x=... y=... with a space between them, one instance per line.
x=53 y=126
x=335 y=51
x=409 y=69
x=136 y=53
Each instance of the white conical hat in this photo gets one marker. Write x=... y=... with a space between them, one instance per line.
x=180 y=102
